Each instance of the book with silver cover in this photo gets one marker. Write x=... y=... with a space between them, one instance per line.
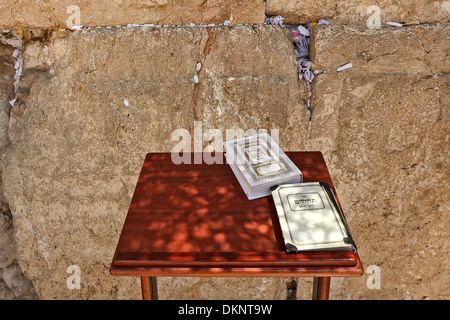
x=258 y=164
x=310 y=218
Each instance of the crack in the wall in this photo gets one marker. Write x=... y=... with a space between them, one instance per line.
x=309 y=109
x=201 y=56
x=426 y=60
x=16 y=284
x=14 y=38
x=232 y=10
x=301 y=44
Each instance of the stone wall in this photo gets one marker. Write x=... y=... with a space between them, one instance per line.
x=77 y=148
x=13 y=284
x=46 y=14
x=356 y=12
x=383 y=126
x=92 y=102
x=58 y=14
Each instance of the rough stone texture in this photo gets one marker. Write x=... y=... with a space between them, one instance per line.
x=13 y=284
x=48 y=14
x=413 y=50
x=383 y=128
x=76 y=149
x=6 y=90
x=356 y=11
x=223 y=288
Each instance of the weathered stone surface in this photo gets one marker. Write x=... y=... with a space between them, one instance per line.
x=223 y=288
x=16 y=283
x=7 y=250
x=418 y=49
x=385 y=138
x=76 y=147
x=59 y=14
x=13 y=284
x=357 y=12
x=386 y=51
x=5 y=292
x=6 y=90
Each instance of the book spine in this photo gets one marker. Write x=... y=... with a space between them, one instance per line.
x=329 y=191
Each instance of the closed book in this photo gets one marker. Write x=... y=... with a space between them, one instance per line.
x=258 y=164
x=310 y=218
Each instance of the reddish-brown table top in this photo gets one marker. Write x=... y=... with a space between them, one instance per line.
x=195 y=220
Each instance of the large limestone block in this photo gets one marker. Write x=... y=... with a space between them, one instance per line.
x=52 y=13
x=13 y=285
x=92 y=103
x=385 y=137
x=353 y=12
x=419 y=49
x=6 y=90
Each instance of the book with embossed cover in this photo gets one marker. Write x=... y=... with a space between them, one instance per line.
x=258 y=164
x=310 y=218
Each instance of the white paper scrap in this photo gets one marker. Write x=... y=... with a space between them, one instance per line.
x=323 y=21
x=275 y=20
x=344 y=67
x=302 y=30
x=16 y=43
x=394 y=24
x=126 y=103
x=16 y=52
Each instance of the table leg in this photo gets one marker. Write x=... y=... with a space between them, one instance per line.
x=149 y=288
x=321 y=288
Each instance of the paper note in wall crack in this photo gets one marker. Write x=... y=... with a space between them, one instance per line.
x=344 y=67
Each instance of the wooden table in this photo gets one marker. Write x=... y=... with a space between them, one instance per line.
x=195 y=220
